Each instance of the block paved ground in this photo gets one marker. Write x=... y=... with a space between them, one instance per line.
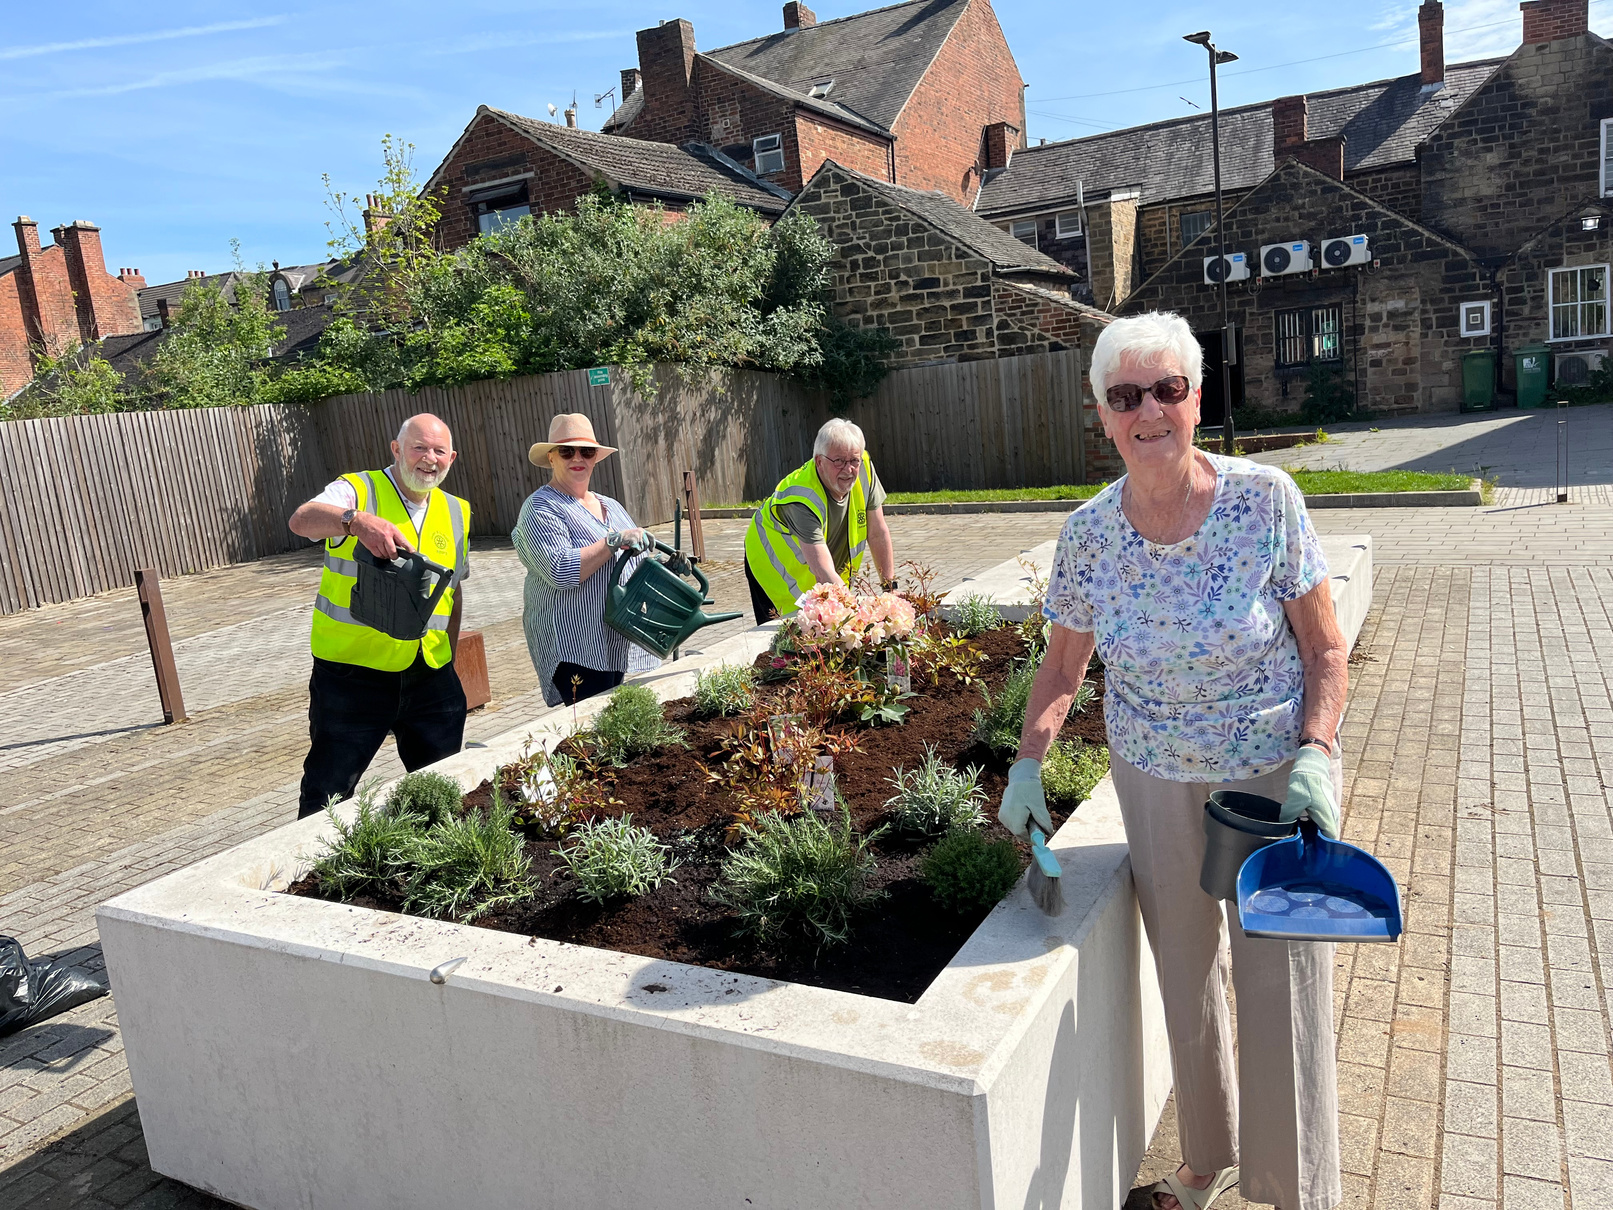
x=1474 y=1056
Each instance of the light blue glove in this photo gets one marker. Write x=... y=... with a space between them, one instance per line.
x=1310 y=790
x=1024 y=798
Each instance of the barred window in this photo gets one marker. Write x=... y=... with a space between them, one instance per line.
x=1195 y=225
x=1579 y=302
x=1309 y=334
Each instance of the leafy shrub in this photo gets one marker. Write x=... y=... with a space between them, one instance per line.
x=935 y=797
x=555 y=792
x=824 y=691
x=369 y=856
x=469 y=865
x=798 y=880
x=975 y=614
x=1328 y=398
x=1071 y=770
x=999 y=723
x=432 y=796
x=611 y=859
x=964 y=871
x=854 y=362
x=632 y=723
x=725 y=689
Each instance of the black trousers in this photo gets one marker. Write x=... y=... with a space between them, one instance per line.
x=761 y=605
x=350 y=711
x=576 y=682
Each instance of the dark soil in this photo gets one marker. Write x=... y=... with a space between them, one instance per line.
x=897 y=947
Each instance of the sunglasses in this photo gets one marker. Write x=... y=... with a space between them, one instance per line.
x=585 y=452
x=1129 y=398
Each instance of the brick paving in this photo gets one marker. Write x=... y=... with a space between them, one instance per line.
x=1474 y=1056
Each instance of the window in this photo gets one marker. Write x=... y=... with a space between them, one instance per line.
x=1069 y=223
x=1578 y=302
x=282 y=295
x=769 y=153
x=1309 y=334
x=1475 y=318
x=1607 y=157
x=820 y=88
x=1195 y=225
x=498 y=206
x=1024 y=230
x=330 y=300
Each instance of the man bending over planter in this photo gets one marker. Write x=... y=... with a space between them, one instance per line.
x=366 y=682
x=818 y=524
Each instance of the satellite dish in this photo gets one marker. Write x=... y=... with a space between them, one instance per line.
x=552 y=110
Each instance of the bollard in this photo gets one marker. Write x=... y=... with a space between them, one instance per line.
x=470 y=661
x=1562 y=455
x=691 y=508
x=162 y=651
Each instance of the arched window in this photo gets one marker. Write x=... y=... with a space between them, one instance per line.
x=282 y=295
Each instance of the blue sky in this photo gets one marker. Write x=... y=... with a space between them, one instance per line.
x=181 y=126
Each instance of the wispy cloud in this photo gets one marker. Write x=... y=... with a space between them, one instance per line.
x=257 y=67
x=160 y=35
x=501 y=41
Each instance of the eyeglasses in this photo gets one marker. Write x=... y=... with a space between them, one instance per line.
x=568 y=452
x=844 y=464
x=1129 y=397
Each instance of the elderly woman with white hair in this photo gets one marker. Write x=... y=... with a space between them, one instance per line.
x=817 y=525
x=1200 y=582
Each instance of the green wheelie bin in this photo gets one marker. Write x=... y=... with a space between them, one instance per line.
x=1531 y=363
x=1478 y=380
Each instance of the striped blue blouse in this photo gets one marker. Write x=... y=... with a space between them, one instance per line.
x=564 y=616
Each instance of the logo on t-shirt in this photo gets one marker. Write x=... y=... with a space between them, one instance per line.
x=441 y=542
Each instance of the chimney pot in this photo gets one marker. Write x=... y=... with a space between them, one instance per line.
x=798 y=16
x=571 y=117
x=1431 y=41
x=1549 y=20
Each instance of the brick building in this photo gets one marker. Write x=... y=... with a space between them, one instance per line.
x=1480 y=189
x=924 y=94
x=56 y=297
x=505 y=166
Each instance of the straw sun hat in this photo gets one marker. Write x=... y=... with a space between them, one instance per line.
x=568 y=428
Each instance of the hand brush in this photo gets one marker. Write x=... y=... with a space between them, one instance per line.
x=1044 y=876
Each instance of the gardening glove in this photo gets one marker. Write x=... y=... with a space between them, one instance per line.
x=1310 y=790
x=635 y=540
x=1024 y=799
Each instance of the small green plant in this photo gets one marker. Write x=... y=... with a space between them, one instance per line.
x=975 y=614
x=936 y=798
x=966 y=872
x=369 y=856
x=469 y=865
x=725 y=689
x=998 y=724
x=611 y=859
x=631 y=724
x=1086 y=693
x=798 y=880
x=432 y=796
x=1070 y=771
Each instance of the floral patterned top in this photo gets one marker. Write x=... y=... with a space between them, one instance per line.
x=1203 y=680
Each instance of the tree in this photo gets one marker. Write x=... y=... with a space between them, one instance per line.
x=214 y=351
x=77 y=383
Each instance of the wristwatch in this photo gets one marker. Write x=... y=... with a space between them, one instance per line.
x=888 y=585
x=347 y=521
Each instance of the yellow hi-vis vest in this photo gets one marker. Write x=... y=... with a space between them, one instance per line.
x=441 y=537
x=775 y=555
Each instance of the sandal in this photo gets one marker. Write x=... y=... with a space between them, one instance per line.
x=1190 y=1198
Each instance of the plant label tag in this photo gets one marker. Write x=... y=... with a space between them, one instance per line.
x=784 y=735
x=819 y=789
x=538 y=786
x=898 y=673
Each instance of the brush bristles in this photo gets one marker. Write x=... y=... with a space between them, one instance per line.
x=1047 y=893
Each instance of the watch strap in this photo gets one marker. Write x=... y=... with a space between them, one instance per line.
x=1317 y=741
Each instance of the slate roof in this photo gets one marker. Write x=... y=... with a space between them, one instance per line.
x=827 y=105
x=1085 y=310
x=658 y=169
x=959 y=224
x=1382 y=123
x=173 y=291
x=298 y=336
x=625 y=112
x=8 y=263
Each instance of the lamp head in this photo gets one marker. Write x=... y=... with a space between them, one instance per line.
x=1202 y=38
x=1225 y=56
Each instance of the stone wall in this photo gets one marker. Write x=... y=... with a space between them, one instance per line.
x=1525 y=281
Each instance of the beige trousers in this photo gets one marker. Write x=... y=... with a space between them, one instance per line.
x=1277 y=1115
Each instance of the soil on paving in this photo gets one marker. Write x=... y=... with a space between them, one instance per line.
x=897 y=946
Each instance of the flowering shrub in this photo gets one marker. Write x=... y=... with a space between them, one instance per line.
x=830 y=617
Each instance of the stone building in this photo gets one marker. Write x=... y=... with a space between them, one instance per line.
x=58 y=297
x=924 y=94
x=1480 y=189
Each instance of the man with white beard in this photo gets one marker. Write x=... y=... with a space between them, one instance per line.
x=366 y=683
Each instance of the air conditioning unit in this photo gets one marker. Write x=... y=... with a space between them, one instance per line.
x=1575 y=369
x=1279 y=259
x=1344 y=250
x=1235 y=268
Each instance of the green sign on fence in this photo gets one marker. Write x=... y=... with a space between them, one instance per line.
x=599 y=376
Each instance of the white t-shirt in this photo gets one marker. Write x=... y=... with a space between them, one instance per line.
x=340 y=493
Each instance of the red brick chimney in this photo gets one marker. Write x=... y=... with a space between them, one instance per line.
x=630 y=83
x=1431 y=40
x=132 y=277
x=105 y=305
x=798 y=16
x=1290 y=139
x=666 y=61
x=374 y=217
x=1549 y=20
x=1001 y=140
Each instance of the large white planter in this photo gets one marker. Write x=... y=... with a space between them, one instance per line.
x=289 y=1052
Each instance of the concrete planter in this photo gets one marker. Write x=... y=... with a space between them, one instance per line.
x=289 y=1052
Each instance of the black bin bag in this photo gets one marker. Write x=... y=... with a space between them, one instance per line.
x=30 y=992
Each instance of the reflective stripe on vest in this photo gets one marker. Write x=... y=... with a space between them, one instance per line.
x=441 y=537
x=777 y=558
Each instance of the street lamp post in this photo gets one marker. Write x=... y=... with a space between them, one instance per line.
x=1229 y=340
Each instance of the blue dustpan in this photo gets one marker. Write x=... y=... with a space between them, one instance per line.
x=1311 y=888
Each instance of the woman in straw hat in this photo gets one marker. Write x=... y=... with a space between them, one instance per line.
x=566 y=536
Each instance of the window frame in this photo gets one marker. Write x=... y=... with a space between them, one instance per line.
x=1606 y=162
x=1035 y=231
x=1181 y=224
x=1058 y=224
x=776 y=148
x=1552 y=304
x=1310 y=337
x=280 y=292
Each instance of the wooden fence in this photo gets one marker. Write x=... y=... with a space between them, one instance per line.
x=85 y=500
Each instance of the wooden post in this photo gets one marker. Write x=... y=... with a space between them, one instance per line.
x=162 y=651
x=691 y=508
x=470 y=661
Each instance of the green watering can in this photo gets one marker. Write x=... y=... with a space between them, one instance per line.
x=657 y=609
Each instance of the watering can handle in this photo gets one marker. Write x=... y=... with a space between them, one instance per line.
x=445 y=577
x=661 y=548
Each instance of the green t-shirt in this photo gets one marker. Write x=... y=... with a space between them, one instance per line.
x=803 y=525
